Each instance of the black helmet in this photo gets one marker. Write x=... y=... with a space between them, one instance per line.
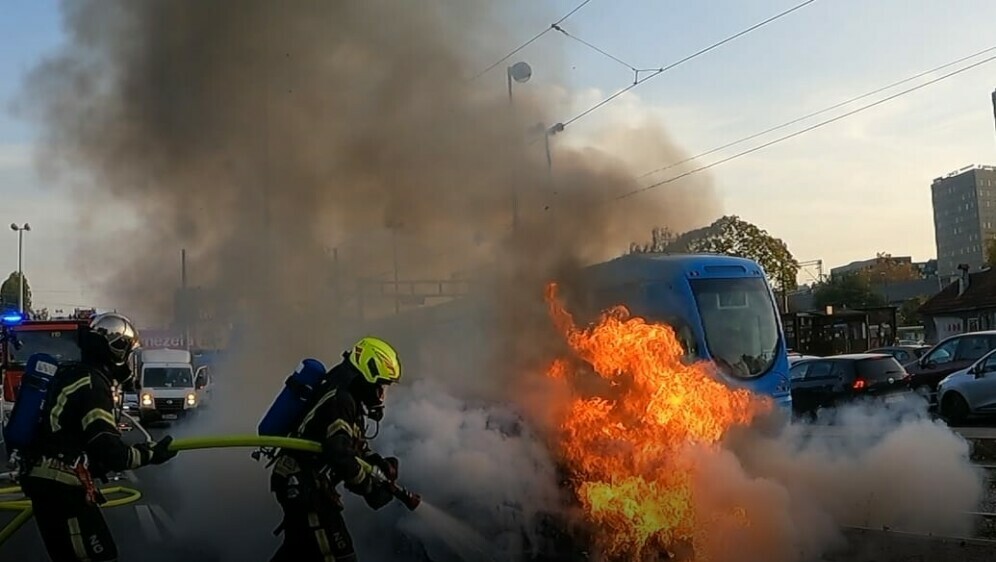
x=111 y=338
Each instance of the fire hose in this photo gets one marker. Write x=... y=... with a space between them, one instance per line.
x=22 y=505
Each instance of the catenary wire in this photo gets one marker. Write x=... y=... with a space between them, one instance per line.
x=657 y=72
x=821 y=111
x=805 y=130
x=535 y=38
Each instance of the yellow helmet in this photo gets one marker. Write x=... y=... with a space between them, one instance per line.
x=376 y=360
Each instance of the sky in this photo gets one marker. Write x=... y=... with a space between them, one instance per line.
x=840 y=193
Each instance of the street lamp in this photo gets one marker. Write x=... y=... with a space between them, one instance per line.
x=520 y=72
x=20 y=230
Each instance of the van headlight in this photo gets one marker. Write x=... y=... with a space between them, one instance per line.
x=191 y=399
x=146 y=399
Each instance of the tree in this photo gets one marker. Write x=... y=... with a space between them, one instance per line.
x=660 y=239
x=732 y=236
x=991 y=252
x=847 y=291
x=890 y=270
x=907 y=313
x=10 y=292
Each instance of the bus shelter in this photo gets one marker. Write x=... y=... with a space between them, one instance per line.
x=841 y=331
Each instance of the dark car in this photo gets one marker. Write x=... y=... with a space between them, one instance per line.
x=951 y=354
x=830 y=381
x=905 y=354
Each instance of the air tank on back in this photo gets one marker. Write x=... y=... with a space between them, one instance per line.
x=289 y=406
x=39 y=372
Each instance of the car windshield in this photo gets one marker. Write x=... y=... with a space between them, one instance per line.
x=741 y=329
x=167 y=377
x=880 y=370
x=61 y=344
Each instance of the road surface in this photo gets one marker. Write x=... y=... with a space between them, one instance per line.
x=206 y=502
x=147 y=530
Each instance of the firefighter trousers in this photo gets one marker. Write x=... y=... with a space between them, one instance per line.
x=314 y=533
x=72 y=528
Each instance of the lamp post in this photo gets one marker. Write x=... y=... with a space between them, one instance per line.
x=20 y=230
x=520 y=72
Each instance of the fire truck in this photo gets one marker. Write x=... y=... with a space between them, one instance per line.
x=57 y=337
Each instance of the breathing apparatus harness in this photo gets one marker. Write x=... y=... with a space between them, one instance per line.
x=302 y=390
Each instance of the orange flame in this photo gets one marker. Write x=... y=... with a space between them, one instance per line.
x=625 y=450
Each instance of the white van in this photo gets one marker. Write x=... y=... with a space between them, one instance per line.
x=168 y=387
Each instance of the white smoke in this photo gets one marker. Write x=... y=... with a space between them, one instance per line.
x=480 y=463
x=871 y=466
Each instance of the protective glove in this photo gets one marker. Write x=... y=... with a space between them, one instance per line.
x=362 y=488
x=388 y=466
x=378 y=496
x=157 y=452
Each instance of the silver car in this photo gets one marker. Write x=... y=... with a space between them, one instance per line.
x=969 y=392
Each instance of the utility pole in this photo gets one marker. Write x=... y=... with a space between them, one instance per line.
x=20 y=230
x=185 y=308
x=520 y=72
x=394 y=260
x=994 y=106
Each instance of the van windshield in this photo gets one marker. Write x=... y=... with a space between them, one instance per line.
x=167 y=377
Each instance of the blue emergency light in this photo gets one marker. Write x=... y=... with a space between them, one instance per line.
x=11 y=318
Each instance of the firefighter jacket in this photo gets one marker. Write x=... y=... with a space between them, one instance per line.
x=78 y=428
x=336 y=422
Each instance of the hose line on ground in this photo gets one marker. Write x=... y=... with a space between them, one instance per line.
x=22 y=505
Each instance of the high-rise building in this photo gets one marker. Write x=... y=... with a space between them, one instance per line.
x=964 y=217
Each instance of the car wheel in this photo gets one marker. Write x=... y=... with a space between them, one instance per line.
x=955 y=408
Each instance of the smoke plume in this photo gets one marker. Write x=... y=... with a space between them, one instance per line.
x=875 y=467
x=303 y=153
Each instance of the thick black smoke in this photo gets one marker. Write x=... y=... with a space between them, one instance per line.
x=298 y=148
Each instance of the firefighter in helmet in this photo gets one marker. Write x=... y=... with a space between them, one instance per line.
x=305 y=483
x=78 y=440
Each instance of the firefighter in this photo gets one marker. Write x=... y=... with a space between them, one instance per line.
x=305 y=483
x=79 y=440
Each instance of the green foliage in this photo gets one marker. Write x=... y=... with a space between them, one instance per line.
x=731 y=236
x=847 y=291
x=661 y=238
x=10 y=291
x=907 y=313
x=887 y=269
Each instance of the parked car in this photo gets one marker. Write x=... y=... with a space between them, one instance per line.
x=905 y=354
x=795 y=358
x=948 y=356
x=969 y=392
x=827 y=382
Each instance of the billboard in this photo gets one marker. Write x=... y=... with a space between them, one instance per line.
x=158 y=339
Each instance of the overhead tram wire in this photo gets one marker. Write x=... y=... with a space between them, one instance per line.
x=806 y=130
x=535 y=38
x=821 y=111
x=658 y=71
x=636 y=71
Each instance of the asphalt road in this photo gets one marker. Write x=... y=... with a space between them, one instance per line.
x=200 y=501
x=148 y=530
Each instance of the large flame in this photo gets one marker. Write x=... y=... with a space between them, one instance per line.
x=628 y=445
